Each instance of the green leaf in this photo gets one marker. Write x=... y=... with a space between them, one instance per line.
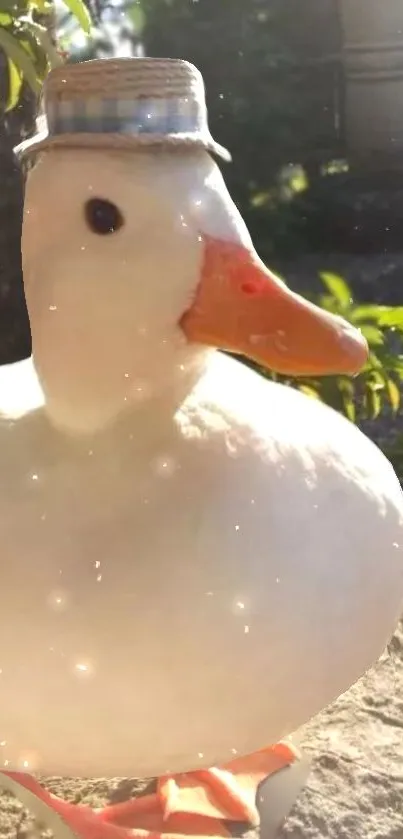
x=349 y=407
x=347 y=394
x=5 y=19
x=393 y=394
x=31 y=46
x=42 y=6
x=326 y=301
x=373 y=362
x=80 y=11
x=17 y=54
x=42 y=36
x=373 y=335
x=392 y=317
x=137 y=16
x=337 y=287
x=369 y=311
x=15 y=80
x=259 y=199
x=374 y=401
x=376 y=380
x=309 y=390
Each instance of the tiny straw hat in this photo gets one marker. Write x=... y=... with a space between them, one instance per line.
x=124 y=103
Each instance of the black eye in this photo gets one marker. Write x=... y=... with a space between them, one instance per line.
x=102 y=216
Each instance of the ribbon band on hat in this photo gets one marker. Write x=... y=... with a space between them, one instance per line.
x=124 y=116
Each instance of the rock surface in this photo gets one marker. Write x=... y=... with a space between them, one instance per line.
x=355 y=789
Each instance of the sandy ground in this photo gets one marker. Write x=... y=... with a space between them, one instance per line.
x=355 y=788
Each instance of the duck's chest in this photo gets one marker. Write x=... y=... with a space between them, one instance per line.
x=121 y=528
x=113 y=527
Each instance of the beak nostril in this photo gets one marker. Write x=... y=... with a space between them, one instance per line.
x=250 y=287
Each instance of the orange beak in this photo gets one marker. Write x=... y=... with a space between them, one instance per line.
x=241 y=307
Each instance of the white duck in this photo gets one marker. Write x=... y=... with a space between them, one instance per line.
x=195 y=560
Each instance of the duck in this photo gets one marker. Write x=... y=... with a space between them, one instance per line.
x=195 y=559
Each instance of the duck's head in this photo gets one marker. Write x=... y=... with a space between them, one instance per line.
x=135 y=265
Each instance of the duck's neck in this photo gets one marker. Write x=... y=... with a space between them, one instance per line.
x=146 y=416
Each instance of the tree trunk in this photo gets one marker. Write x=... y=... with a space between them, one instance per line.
x=15 y=337
x=373 y=65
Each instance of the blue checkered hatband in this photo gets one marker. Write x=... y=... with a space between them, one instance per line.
x=160 y=116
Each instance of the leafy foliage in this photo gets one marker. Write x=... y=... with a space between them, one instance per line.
x=26 y=42
x=378 y=386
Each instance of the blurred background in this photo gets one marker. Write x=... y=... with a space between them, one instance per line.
x=307 y=95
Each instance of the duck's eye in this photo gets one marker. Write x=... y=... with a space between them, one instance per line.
x=103 y=216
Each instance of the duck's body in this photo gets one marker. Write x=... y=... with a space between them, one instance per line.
x=194 y=560
x=192 y=581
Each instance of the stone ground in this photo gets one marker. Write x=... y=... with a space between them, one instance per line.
x=355 y=789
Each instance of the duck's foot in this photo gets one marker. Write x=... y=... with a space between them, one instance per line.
x=198 y=804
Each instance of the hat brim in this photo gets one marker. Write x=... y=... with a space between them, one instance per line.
x=43 y=141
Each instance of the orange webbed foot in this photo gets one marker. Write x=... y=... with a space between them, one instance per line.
x=196 y=804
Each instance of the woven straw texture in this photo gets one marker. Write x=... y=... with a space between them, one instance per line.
x=126 y=77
